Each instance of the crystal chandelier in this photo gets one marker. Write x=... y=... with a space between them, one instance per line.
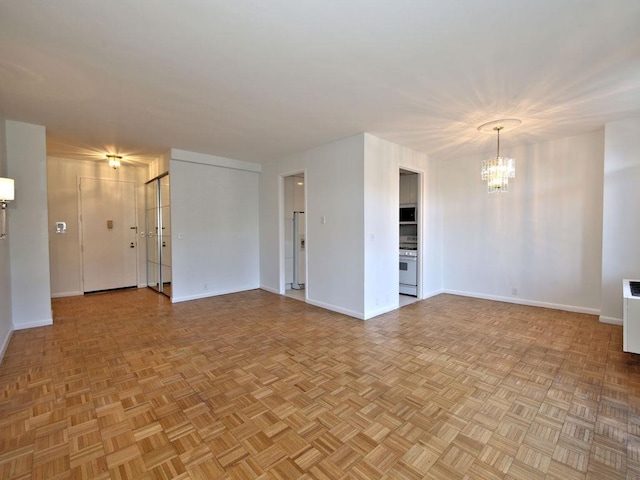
x=498 y=170
x=114 y=161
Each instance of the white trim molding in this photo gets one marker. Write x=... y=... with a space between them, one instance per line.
x=611 y=320
x=36 y=323
x=531 y=303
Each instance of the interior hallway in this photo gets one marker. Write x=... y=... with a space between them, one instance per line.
x=257 y=385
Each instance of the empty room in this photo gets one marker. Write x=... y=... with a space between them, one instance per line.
x=320 y=240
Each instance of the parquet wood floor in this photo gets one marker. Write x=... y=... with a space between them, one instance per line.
x=259 y=386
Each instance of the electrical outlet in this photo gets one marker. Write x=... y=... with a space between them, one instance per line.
x=206 y=286
x=514 y=292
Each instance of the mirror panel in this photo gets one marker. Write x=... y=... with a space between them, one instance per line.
x=158 y=234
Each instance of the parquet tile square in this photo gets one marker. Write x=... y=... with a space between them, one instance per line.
x=520 y=470
x=363 y=470
x=575 y=458
x=403 y=471
x=207 y=469
x=126 y=385
x=560 y=471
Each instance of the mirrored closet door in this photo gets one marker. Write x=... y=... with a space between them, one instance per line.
x=158 y=233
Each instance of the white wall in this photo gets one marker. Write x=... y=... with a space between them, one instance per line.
x=353 y=257
x=380 y=231
x=62 y=192
x=382 y=162
x=29 y=246
x=431 y=246
x=214 y=222
x=543 y=237
x=334 y=177
x=6 y=323
x=159 y=166
x=621 y=216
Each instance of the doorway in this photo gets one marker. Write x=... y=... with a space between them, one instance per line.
x=108 y=230
x=410 y=236
x=295 y=251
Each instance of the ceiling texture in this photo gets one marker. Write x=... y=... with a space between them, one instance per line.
x=260 y=80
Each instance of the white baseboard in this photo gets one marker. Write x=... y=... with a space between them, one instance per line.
x=432 y=294
x=391 y=308
x=381 y=311
x=269 y=289
x=517 y=301
x=37 y=323
x=611 y=320
x=66 y=294
x=334 y=308
x=198 y=296
x=5 y=344
x=522 y=301
x=142 y=285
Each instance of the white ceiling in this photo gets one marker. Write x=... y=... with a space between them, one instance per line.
x=257 y=80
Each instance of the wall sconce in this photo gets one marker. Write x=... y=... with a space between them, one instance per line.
x=7 y=194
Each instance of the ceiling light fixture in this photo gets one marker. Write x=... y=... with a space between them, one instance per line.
x=114 y=161
x=498 y=170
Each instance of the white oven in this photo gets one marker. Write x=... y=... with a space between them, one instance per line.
x=409 y=272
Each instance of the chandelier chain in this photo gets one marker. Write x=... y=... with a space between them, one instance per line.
x=498 y=130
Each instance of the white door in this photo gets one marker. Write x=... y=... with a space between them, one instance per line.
x=108 y=226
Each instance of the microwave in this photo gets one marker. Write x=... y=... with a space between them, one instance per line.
x=408 y=213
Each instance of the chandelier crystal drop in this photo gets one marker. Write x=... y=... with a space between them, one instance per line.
x=498 y=170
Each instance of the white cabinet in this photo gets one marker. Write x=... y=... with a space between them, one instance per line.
x=408 y=188
x=631 y=319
